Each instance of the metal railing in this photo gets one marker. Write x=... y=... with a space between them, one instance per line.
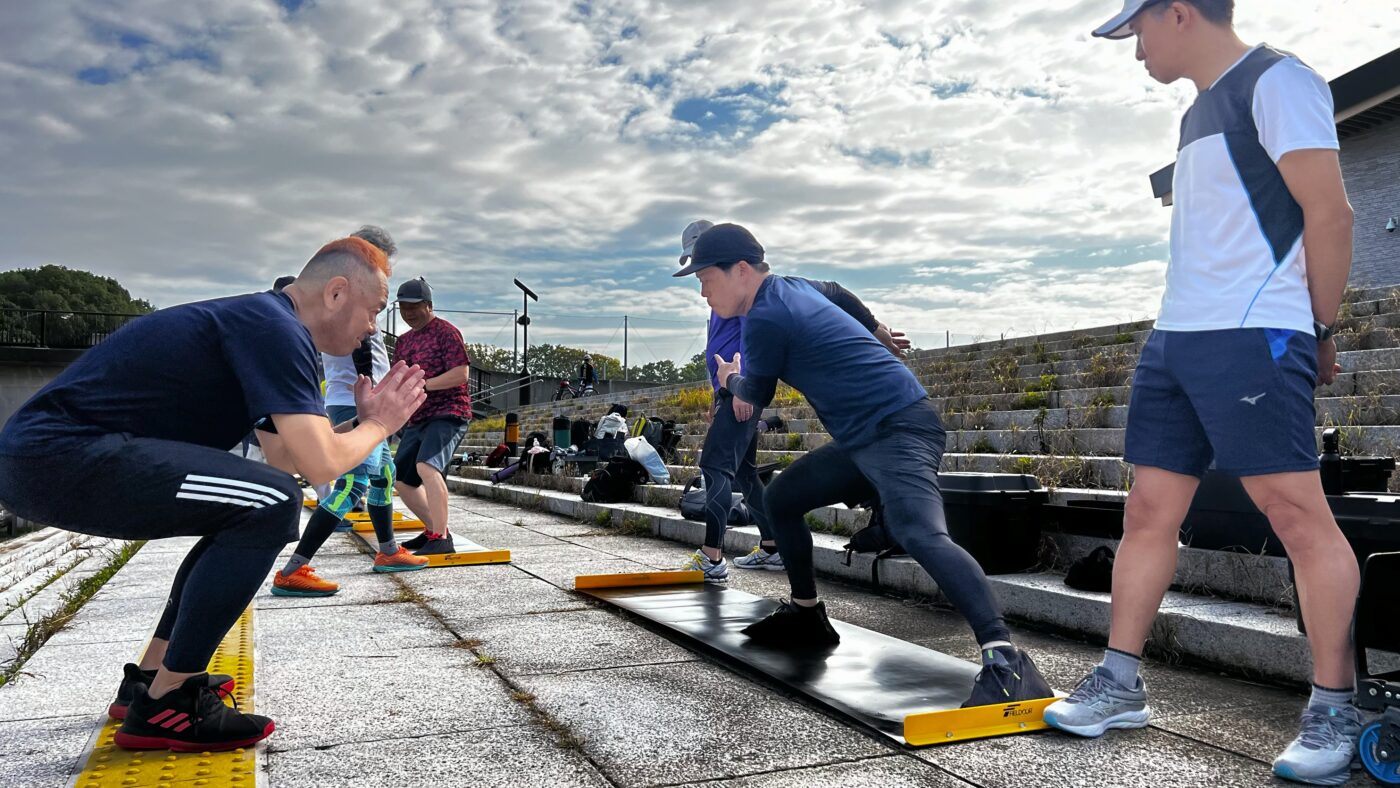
x=58 y=329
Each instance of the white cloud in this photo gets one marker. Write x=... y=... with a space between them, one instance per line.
x=969 y=165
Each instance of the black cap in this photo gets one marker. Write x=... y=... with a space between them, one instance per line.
x=723 y=243
x=414 y=291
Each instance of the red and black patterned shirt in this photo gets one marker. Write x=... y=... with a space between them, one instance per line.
x=437 y=347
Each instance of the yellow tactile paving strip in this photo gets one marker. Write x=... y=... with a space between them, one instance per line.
x=109 y=766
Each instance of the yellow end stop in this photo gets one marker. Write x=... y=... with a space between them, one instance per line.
x=978 y=722
x=109 y=766
x=363 y=517
x=469 y=558
x=639 y=579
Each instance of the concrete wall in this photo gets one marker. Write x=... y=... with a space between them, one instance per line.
x=24 y=371
x=1371 y=166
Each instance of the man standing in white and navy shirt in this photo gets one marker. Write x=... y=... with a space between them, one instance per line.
x=1260 y=253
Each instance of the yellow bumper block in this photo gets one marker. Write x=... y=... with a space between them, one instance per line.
x=977 y=722
x=635 y=579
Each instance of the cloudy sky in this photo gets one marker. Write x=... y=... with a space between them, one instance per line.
x=972 y=166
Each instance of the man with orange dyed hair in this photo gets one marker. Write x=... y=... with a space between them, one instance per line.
x=143 y=424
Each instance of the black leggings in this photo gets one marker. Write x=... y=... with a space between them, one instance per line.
x=144 y=488
x=901 y=465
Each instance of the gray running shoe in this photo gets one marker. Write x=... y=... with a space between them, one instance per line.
x=761 y=559
x=1323 y=752
x=715 y=571
x=1098 y=704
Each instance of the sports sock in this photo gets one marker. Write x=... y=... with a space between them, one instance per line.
x=1330 y=697
x=383 y=519
x=1122 y=667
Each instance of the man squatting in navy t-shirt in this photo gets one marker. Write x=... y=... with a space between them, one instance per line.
x=887 y=440
x=731 y=442
x=132 y=442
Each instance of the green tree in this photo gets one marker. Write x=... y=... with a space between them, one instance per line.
x=490 y=357
x=662 y=371
x=695 y=370
x=61 y=289
x=562 y=361
x=60 y=292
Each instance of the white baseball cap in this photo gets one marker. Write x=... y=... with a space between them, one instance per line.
x=1117 y=27
x=690 y=235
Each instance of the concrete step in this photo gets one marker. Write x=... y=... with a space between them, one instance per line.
x=1256 y=639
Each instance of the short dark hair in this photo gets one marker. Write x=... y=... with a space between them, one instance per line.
x=761 y=267
x=1221 y=12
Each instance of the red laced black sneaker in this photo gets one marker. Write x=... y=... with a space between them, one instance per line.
x=192 y=718
x=134 y=677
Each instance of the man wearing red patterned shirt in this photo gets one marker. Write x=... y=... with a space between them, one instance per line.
x=433 y=432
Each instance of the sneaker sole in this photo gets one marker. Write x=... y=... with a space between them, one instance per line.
x=765 y=567
x=1127 y=721
x=379 y=568
x=276 y=591
x=116 y=712
x=129 y=741
x=1336 y=778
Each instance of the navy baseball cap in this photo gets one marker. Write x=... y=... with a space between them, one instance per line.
x=1117 y=27
x=723 y=243
x=414 y=291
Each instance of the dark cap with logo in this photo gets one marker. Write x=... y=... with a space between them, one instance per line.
x=720 y=245
x=415 y=291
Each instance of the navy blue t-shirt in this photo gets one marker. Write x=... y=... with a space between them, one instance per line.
x=198 y=373
x=796 y=334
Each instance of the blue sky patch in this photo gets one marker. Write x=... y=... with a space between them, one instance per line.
x=743 y=111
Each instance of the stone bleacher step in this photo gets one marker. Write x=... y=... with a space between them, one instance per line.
x=1239 y=636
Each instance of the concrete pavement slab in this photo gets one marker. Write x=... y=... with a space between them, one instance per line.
x=66 y=681
x=1144 y=758
x=577 y=640
x=43 y=753
x=338 y=698
x=359 y=585
x=520 y=757
x=461 y=603
x=889 y=771
x=690 y=722
x=357 y=630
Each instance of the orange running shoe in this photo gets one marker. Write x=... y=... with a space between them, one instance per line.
x=402 y=561
x=302 y=582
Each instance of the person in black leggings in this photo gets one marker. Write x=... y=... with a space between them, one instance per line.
x=132 y=442
x=887 y=439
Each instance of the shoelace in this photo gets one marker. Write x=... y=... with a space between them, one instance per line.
x=755 y=551
x=203 y=701
x=1093 y=684
x=695 y=563
x=1321 y=730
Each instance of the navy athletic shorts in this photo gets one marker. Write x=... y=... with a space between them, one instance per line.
x=1241 y=399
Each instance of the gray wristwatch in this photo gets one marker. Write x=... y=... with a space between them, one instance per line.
x=1322 y=330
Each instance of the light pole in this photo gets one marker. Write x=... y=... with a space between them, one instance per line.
x=524 y=321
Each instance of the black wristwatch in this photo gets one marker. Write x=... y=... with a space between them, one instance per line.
x=1323 y=331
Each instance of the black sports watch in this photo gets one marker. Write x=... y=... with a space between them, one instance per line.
x=1323 y=331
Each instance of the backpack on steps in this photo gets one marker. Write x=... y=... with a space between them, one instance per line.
x=874 y=538
x=614 y=482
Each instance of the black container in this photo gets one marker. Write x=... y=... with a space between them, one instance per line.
x=579 y=432
x=1222 y=517
x=1351 y=474
x=996 y=517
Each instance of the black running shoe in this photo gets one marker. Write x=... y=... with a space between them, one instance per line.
x=437 y=545
x=1011 y=678
x=135 y=680
x=192 y=718
x=416 y=542
x=791 y=625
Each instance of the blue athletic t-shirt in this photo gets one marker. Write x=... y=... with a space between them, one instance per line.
x=796 y=334
x=725 y=338
x=198 y=373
